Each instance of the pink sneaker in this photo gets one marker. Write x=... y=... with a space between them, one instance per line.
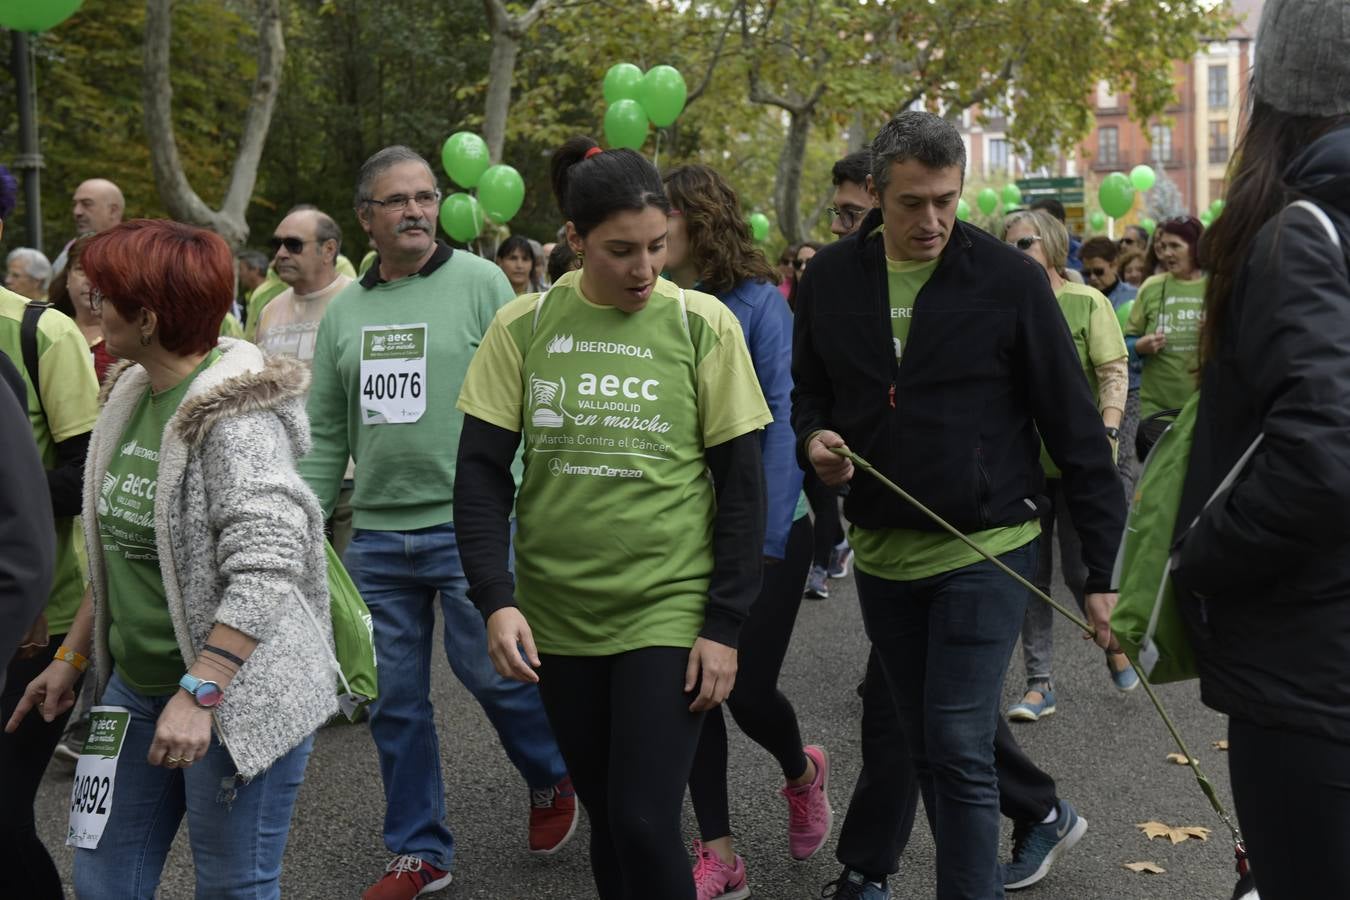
x=715 y=880
x=809 y=813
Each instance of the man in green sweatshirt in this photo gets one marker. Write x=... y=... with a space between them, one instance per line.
x=391 y=354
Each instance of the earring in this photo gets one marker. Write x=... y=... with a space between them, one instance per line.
x=145 y=340
x=581 y=259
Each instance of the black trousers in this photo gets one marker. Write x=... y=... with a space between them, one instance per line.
x=28 y=868
x=759 y=708
x=828 y=529
x=1292 y=792
x=886 y=796
x=625 y=731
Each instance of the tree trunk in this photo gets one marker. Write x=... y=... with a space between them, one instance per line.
x=501 y=77
x=787 y=186
x=179 y=198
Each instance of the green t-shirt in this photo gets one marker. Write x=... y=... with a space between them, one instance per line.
x=1176 y=308
x=1096 y=337
x=614 y=528
x=902 y=554
x=70 y=396
x=230 y=327
x=141 y=640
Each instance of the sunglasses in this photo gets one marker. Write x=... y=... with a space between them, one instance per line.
x=292 y=245
x=1025 y=243
x=1095 y=272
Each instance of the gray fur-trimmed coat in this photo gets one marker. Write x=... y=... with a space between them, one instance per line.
x=237 y=531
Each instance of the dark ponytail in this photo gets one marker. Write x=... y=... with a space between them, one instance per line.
x=591 y=188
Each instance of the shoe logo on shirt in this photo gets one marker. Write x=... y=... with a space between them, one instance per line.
x=561 y=343
x=547 y=399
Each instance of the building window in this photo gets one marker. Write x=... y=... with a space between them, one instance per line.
x=1108 y=145
x=1106 y=98
x=1218 y=87
x=999 y=156
x=1218 y=142
x=1161 y=138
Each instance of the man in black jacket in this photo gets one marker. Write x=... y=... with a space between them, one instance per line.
x=940 y=355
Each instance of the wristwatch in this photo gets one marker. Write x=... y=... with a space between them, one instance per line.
x=1113 y=433
x=207 y=693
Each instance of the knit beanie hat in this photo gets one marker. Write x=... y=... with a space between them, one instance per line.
x=1303 y=57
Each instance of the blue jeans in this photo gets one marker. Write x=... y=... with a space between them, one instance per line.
x=399 y=574
x=237 y=829
x=943 y=643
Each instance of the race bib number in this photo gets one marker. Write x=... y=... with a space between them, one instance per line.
x=393 y=374
x=91 y=796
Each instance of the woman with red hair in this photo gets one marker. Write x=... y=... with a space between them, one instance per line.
x=207 y=613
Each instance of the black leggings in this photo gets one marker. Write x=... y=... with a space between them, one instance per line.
x=1292 y=793
x=28 y=867
x=758 y=707
x=828 y=531
x=625 y=731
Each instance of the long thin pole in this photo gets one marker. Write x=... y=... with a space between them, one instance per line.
x=29 y=160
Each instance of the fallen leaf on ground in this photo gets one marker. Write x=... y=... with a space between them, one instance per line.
x=1142 y=867
x=1178 y=759
x=1220 y=745
x=1174 y=834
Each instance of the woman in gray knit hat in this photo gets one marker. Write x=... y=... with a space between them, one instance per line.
x=1264 y=574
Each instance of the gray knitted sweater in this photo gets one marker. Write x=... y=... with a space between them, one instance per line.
x=238 y=533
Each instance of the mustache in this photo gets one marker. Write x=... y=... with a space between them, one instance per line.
x=409 y=224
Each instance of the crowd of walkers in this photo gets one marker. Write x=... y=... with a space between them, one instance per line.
x=617 y=465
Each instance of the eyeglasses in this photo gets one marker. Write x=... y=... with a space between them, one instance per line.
x=292 y=245
x=399 y=202
x=1024 y=243
x=95 y=299
x=1094 y=271
x=848 y=216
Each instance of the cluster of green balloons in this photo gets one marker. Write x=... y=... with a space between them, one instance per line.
x=988 y=199
x=501 y=190
x=1116 y=194
x=759 y=226
x=635 y=100
x=36 y=15
x=1208 y=216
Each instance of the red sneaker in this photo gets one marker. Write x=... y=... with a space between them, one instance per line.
x=809 y=813
x=406 y=877
x=553 y=817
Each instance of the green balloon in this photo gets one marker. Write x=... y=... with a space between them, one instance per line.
x=626 y=124
x=963 y=210
x=1116 y=194
x=1097 y=220
x=465 y=158
x=987 y=201
x=1143 y=177
x=461 y=217
x=501 y=190
x=1012 y=195
x=1148 y=224
x=1217 y=207
x=623 y=81
x=1123 y=314
x=36 y=15
x=663 y=94
x=1207 y=218
x=759 y=226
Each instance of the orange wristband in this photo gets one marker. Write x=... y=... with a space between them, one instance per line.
x=65 y=654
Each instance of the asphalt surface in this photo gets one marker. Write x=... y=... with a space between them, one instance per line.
x=1108 y=752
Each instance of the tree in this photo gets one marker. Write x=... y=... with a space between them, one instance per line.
x=182 y=202
x=507 y=33
x=1164 y=200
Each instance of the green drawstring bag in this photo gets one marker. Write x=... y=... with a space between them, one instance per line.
x=353 y=639
x=1146 y=620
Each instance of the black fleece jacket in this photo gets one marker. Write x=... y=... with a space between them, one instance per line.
x=989 y=369
x=1264 y=574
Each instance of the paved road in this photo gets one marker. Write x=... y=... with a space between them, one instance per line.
x=1108 y=752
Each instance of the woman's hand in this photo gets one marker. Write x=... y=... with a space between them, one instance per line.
x=714 y=665
x=52 y=692
x=182 y=735
x=509 y=634
x=36 y=640
x=1151 y=343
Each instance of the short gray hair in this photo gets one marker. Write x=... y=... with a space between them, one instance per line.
x=325 y=229
x=35 y=265
x=1054 y=236
x=380 y=163
x=915 y=134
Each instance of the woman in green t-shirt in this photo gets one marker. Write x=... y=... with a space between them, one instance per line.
x=207 y=611
x=634 y=570
x=1167 y=316
x=1101 y=350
